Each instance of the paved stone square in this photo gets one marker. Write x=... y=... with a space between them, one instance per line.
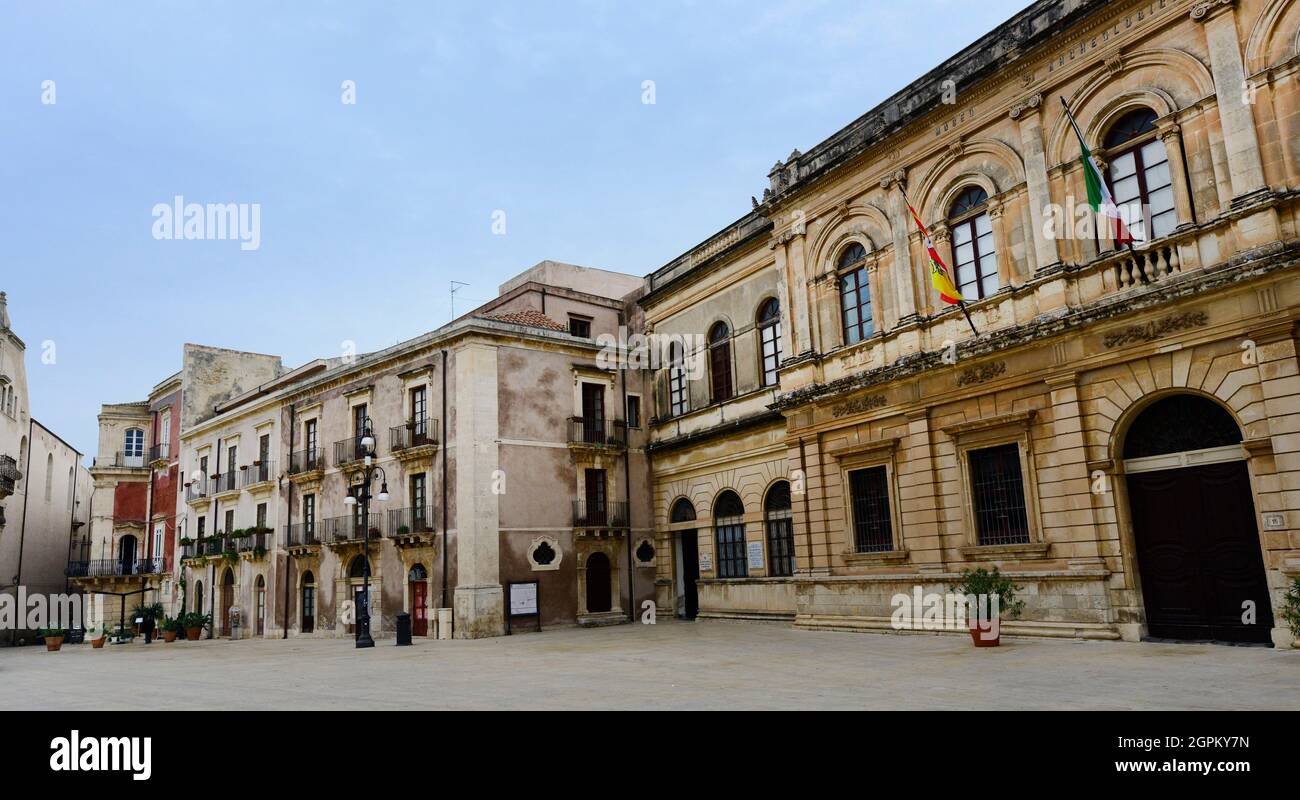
x=673 y=665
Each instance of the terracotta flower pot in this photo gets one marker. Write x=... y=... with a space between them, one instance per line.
x=98 y=643
x=169 y=636
x=53 y=643
x=978 y=635
x=193 y=634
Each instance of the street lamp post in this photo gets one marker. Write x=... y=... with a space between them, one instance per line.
x=361 y=492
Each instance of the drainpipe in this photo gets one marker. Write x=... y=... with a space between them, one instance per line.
x=22 y=532
x=627 y=489
x=444 y=480
x=293 y=430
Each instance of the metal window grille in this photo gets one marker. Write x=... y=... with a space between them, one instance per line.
x=873 y=530
x=999 y=495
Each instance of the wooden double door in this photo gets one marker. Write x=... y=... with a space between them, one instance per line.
x=1199 y=555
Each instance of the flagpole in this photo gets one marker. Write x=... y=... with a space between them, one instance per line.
x=1128 y=242
x=960 y=303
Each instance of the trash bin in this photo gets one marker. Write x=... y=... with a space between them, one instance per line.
x=403 y=629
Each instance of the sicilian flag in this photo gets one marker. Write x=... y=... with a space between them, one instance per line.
x=1099 y=197
x=939 y=277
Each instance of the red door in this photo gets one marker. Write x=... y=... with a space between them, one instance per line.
x=419 y=608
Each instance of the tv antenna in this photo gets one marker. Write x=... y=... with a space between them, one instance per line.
x=456 y=286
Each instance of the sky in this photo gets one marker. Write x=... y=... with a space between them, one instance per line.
x=466 y=118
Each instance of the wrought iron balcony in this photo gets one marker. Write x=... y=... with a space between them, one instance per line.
x=190 y=550
x=301 y=534
x=196 y=490
x=253 y=542
x=129 y=460
x=609 y=514
x=256 y=473
x=212 y=545
x=160 y=453
x=309 y=460
x=348 y=451
x=350 y=528
x=593 y=432
x=415 y=433
x=114 y=567
x=224 y=482
x=9 y=475
x=418 y=519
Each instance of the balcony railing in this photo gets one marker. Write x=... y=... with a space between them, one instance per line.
x=190 y=550
x=114 y=567
x=222 y=483
x=160 y=452
x=303 y=533
x=418 y=519
x=212 y=545
x=597 y=432
x=129 y=460
x=253 y=542
x=256 y=473
x=415 y=433
x=609 y=514
x=196 y=491
x=9 y=475
x=349 y=528
x=308 y=460
x=348 y=451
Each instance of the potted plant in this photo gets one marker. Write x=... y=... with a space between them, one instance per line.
x=982 y=584
x=53 y=638
x=402 y=530
x=1291 y=610
x=194 y=623
x=98 y=642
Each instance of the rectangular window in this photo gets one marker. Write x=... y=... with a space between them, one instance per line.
x=202 y=527
x=230 y=520
x=309 y=436
x=261 y=515
x=677 y=388
x=872 y=528
x=855 y=305
x=633 y=411
x=309 y=515
x=594 y=483
x=419 y=406
x=732 y=562
x=203 y=469
x=359 y=420
x=580 y=326
x=998 y=495
x=264 y=448
x=419 y=520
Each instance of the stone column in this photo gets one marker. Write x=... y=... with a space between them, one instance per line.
x=900 y=223
x=1027 y=113
x=479 y=599
x=1245 y=167
x=1172 y=135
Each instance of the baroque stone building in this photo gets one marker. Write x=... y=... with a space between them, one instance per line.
x=1123 y=435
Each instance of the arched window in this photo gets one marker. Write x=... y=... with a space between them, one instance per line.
x=720 y=361
x=198 y=597
x=769 y=337
x=1138 y=175
x=357 y=569
x=676 y=379
x=1180 y=423
x=729 y=525
x=49 y=476
x=973 y=253
x=855 y=294
x=308 y=603
x=780 y=530
x=133 y=447
x=682 y=511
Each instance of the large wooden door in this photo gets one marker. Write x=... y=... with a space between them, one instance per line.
x=598 y=579
x=1198 y=553
x=419 y=608
x=227 y=601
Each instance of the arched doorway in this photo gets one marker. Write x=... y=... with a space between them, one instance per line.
x=259 y=606
x=126 y=553
x=308 y=624
x=1196 y=541
x=198 y=597
x=227 y=599
x=599 y=598
x=686 y=554
x=419 y=580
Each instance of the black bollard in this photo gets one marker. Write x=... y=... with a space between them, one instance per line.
x=403 y=629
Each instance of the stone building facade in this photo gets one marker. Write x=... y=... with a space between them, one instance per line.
x=1121 y=436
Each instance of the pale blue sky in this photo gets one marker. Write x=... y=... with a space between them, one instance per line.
x=368 y=210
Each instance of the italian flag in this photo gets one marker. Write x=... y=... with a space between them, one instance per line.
x=1099 y=197
x=939 y=277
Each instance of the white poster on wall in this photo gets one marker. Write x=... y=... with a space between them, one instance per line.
x=706 y=562
x=755 y=552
